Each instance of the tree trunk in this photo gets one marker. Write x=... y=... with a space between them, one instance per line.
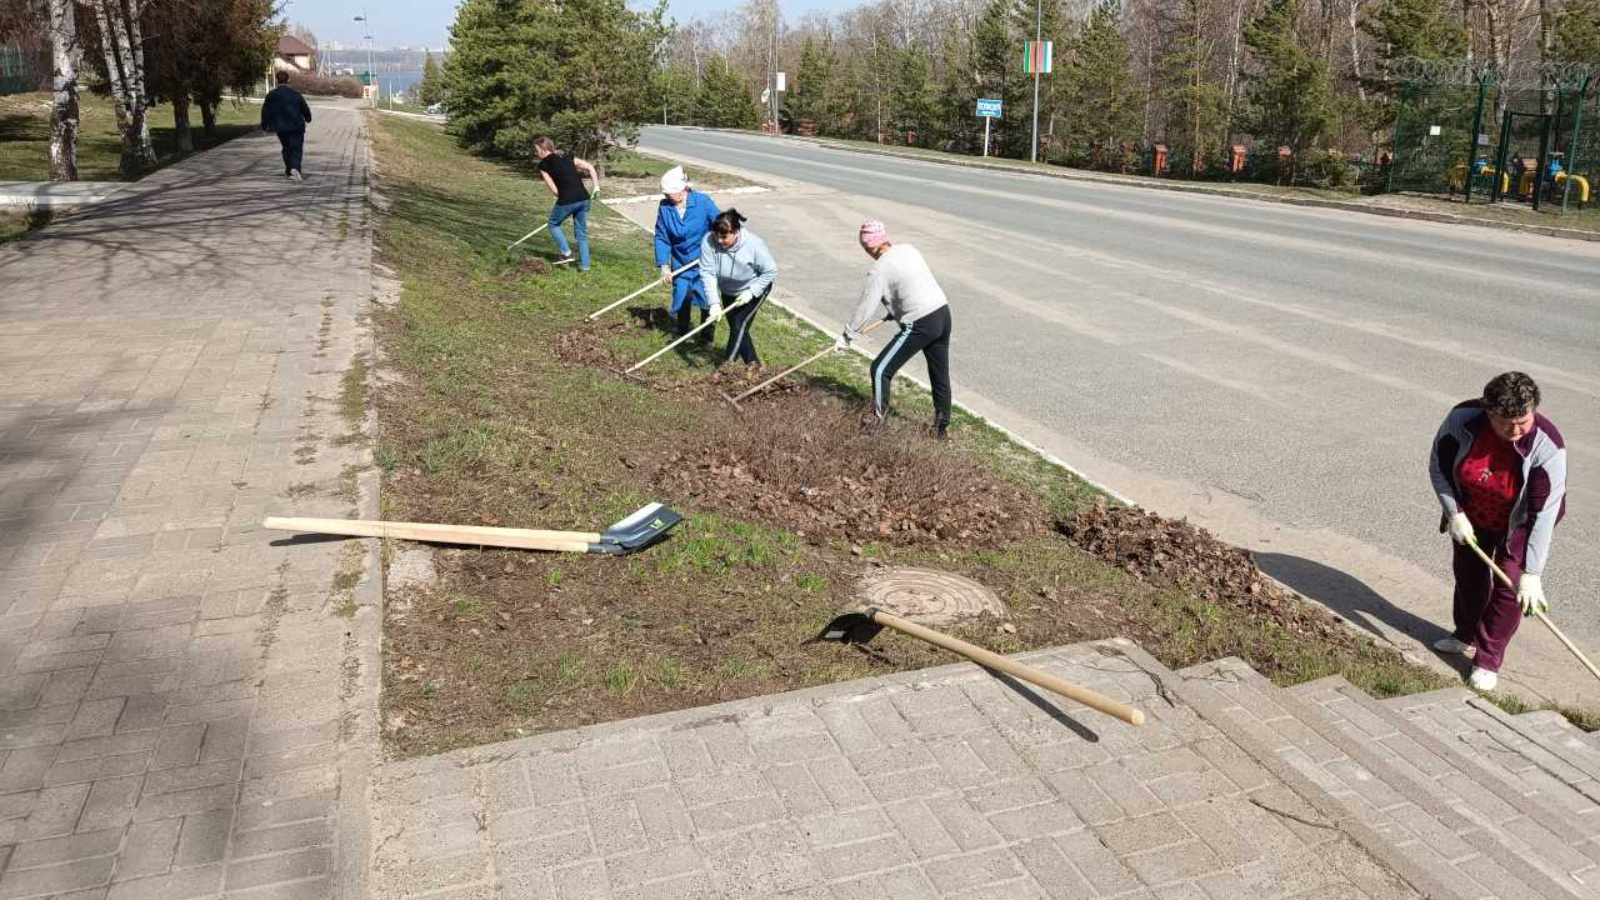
x=208 y=118
x=123 y=46
x=147 y=149
x=180 y=122
x=64 y=88
x=1355 y=50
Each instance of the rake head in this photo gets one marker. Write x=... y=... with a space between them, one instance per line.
x=850 y=628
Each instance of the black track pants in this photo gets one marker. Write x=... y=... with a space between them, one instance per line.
x=739 y=321
x=930 y=336
x=703 y=337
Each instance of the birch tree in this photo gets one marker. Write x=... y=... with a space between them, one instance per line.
x=64 y=57
x=122 y=44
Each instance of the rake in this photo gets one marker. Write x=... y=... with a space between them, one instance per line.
x=861 y=627
x=605 y=309
x=513 y=245
x=792 y=369
x=646 y=526
x=691 y=333
x=1506 y=580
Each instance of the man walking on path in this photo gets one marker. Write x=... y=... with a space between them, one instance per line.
x=560 y=172
x=286 y=114
x=901 y=287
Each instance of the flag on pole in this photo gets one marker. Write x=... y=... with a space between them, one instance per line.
x=1037 y=56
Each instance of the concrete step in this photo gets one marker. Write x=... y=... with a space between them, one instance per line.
x=1543 y=836
x=1425 y=838
x=1551 y=731
x=1482 y=730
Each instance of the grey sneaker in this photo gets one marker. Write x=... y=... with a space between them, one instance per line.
x=294 y=175
x=1451 y=645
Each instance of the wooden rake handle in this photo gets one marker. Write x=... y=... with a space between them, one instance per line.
x=991 y=660
x=691 y=333
x=602 y=311
x=528 y=235
x=798 y=366
x=1506 y=580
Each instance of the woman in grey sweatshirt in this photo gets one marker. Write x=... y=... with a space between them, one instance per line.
x=902 y=287
x=737 y=271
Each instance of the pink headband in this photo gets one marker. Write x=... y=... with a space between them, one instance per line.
x=873 y=233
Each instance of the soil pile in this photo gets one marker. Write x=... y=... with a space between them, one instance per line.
x=1150 y=547
x=808 y=463
x=532 y=265
x=587 y=345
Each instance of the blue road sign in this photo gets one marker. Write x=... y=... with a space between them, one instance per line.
x=989 y=109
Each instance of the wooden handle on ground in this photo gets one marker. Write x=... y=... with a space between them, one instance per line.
x=1506 y=580
x=991 y=660
x=602 y=311
x=799 y=365
x=469 y=535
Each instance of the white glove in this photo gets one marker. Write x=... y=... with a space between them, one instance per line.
x=841 y=342
x=1530 y=593
x=666 y=274
x=716 y=310
x=1461 y=530
x=744 y=297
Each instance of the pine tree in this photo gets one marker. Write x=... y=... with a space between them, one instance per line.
x=957 y=97
x=1099 y=96
x=431 y=89
x=995 y=68
x=914 y=108
x=521 y=69
x=1199 y=104
x=1577 y=32
x=1289 y=97
x=811 y=96
x=723 y=100
x=1402 y=29
x=676 y=92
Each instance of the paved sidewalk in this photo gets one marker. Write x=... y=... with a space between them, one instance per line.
x=186 y=702
x=944 y=783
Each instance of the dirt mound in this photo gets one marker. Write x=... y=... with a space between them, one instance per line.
x=736 y=379
x=586 y=345
x=1153 y=548
x=808 y=463
x=533 y=265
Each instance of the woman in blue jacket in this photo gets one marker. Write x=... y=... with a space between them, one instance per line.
x=682 y=221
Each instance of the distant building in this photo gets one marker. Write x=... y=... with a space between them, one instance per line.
x=294 y=55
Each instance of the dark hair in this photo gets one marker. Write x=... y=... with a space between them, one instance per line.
x=545 y=144
x=728 y=221
x=1511 y=396
x=283 y=76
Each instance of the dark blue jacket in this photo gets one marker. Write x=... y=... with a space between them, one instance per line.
x=284 y=110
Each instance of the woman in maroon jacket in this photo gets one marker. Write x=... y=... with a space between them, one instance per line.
x=1500 y=471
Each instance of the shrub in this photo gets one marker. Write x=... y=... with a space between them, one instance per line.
x=323 y=86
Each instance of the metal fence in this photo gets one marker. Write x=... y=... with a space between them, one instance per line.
x=1522 y=133
x=23 y=70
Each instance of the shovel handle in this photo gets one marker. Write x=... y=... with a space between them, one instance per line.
x=469 y=535
x=991 y=660
x=600 y=312
x=1506 y=580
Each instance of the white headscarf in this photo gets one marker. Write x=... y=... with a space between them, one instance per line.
x=674 y=180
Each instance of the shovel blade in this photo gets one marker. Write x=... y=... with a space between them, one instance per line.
x=850 y=628
x=649 y=524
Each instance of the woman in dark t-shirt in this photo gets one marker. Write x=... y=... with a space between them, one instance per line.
x=560 y=173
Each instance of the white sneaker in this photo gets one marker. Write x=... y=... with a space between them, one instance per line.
x=1483 y=679
x=294 y=175
x=1451 y=645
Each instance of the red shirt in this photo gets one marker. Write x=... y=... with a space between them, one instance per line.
x=1489 y=478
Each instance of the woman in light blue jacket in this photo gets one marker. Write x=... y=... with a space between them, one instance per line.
x=737 y=270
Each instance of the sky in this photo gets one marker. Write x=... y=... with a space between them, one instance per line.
x=419 y=23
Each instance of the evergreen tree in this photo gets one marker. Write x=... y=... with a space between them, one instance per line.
x=811 y=96
x=1289 y=97
x=995 y=68
x=1424 y=29
x=1199 y=110
x=520 y=69
x=723 y=101
x=1099 y=96
x=957 y=98
x=676 y=92
x=1577 y=32
x=431 y=88
x=914 y=108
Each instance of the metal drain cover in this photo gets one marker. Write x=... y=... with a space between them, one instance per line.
x=928 y=596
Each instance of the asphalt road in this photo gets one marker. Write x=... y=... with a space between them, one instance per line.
x=1273 y=373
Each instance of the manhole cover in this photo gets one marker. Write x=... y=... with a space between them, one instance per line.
x=929 y=596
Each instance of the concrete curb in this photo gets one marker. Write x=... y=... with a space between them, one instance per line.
x=359 y=748
x=1571 y=234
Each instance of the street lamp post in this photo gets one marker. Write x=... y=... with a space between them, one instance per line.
x=366 y=23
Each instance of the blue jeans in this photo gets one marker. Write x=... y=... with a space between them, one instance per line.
x=580 y=229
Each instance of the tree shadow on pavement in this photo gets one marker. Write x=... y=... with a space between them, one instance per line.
x=1353 y=600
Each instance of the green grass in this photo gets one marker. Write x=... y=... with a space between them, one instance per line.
x=25 y=135
x=488 y=426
